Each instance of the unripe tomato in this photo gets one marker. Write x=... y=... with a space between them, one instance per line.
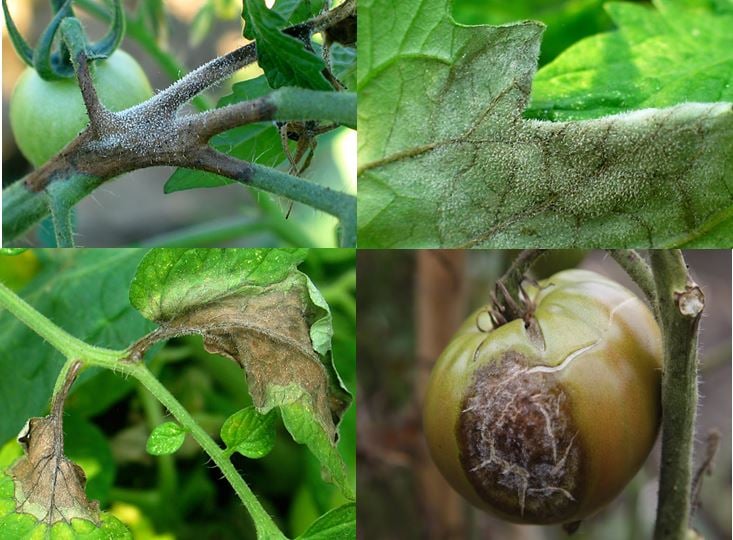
x=546 y=422
x=46 y=115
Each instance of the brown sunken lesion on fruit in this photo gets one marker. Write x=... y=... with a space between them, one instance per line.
x=517 y=442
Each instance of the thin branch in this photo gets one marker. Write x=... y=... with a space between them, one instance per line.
x=681 y=303
x=336 y=203
x=195 y=82
x=638 y=270
x=153 y=134
x=61 y=216
x=209 y=123
x=59 y=397
x=220 y=68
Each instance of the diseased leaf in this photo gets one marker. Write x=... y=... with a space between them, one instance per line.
x=250 y=433
x=254 y=307
x=47 y=485
x=42 y=493
x=165 y=439
x=96 y=279
x=660 y=56
x=283 y=58
x=338 y=524
x=447 y=160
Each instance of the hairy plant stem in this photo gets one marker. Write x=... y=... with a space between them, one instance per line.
x=266 y=527
x=57 y=337
x=638 y=270
x=115 y=143
x=681 y=303
x=76 y=350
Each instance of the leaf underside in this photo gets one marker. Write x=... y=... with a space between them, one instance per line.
x=447 y=159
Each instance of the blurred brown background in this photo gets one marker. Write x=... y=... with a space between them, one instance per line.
x=410 y=303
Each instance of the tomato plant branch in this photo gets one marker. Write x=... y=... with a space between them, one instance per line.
x=639 y=271
x=681 y=303
x=79 y=351
x=154 y=134
x=61 y=216
x=57 y=337
x=266 y=527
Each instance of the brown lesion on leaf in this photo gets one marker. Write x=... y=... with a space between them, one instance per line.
x=268 y=334
x=47 y=484
x=518 y=445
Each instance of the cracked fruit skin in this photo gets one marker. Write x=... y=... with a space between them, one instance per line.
x=46 y=115
x=547 y=424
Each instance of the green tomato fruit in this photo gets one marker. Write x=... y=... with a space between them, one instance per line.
x=46 y=115
x=545 y=422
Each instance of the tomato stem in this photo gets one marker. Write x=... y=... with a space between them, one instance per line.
x=680 y=303
x=638 y=270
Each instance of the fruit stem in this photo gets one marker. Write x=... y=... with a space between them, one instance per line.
x=638 y=270
x=506 y=301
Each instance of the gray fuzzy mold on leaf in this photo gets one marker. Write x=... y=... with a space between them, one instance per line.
x=447 y=159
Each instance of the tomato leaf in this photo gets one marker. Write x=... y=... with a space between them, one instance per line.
x=250 y=433
x=37 y=476
x=447 y=160
x=165 y=439
x=659 y=56
x=338 y=524
x=284 y=59
x=85 y=292
x=297 y=11
x=254 y=307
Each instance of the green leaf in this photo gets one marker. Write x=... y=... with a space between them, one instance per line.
x=567 y=20
x=660 y=56
x=254 y=307
x=257 y=143
x=170 y=282
x=306 y=425
x=250 y=433
x=297 y=11
x=446 y=159
x=165 y=439
x=338 y=524
x=284 y=59
x=12 y=251
x=85 y=292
